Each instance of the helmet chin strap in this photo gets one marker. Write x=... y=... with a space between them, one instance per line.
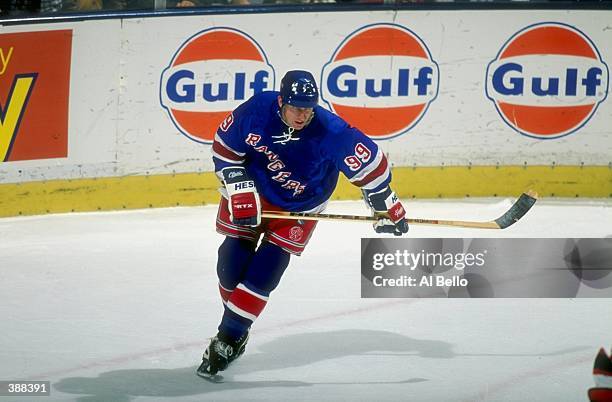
x=280 y=114
x=309 y=119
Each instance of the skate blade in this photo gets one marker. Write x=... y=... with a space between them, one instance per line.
x=214 y=378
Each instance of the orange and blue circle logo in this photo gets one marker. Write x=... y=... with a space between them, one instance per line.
x=547 y=80
x=381 y=79
x=211 y=74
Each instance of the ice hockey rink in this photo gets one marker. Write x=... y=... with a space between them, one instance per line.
x=119 y=306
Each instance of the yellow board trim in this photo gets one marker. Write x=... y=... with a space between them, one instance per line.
x=109 y=193
x=494 y=181
x=132 y=192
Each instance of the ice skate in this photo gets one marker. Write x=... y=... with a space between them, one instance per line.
x=219 y=354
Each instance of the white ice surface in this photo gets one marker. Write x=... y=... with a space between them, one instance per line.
x=118 y=306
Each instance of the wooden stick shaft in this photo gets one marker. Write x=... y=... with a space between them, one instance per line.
x=362 y=218
x=512 y=215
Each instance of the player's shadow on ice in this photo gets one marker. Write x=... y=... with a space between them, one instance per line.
x=286 y=352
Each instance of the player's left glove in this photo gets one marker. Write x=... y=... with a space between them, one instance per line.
x=390 y=211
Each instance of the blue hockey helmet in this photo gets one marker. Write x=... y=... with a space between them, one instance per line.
x=299 y=89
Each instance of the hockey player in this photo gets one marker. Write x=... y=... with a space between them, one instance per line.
x=602 y=374
x=283 y=152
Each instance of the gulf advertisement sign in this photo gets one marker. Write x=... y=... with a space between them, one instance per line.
x=34 y=92
x=212 y=73
x=547 y=80
x=381 y=79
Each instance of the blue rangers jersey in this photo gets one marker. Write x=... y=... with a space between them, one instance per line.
x=297 y=170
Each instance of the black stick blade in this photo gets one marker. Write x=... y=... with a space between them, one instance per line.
x=520 y=208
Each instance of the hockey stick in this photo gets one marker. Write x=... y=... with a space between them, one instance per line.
x=516 y=212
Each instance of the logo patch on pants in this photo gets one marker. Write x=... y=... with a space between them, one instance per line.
x=296 y=233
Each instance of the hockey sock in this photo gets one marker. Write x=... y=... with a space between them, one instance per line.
x=267 y=267
x=250 y=296
x=234 y=257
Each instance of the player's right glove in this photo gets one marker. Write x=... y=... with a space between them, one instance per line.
x=390 y=211
x=243 y=199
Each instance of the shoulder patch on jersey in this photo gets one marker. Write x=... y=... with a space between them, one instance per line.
x=227 y=123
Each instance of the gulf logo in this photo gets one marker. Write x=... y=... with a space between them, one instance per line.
x=547 y=80
x=381 y=79
x=212 y=73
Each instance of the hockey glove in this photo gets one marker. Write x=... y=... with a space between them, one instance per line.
x=243 y=199
x=390 y=211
